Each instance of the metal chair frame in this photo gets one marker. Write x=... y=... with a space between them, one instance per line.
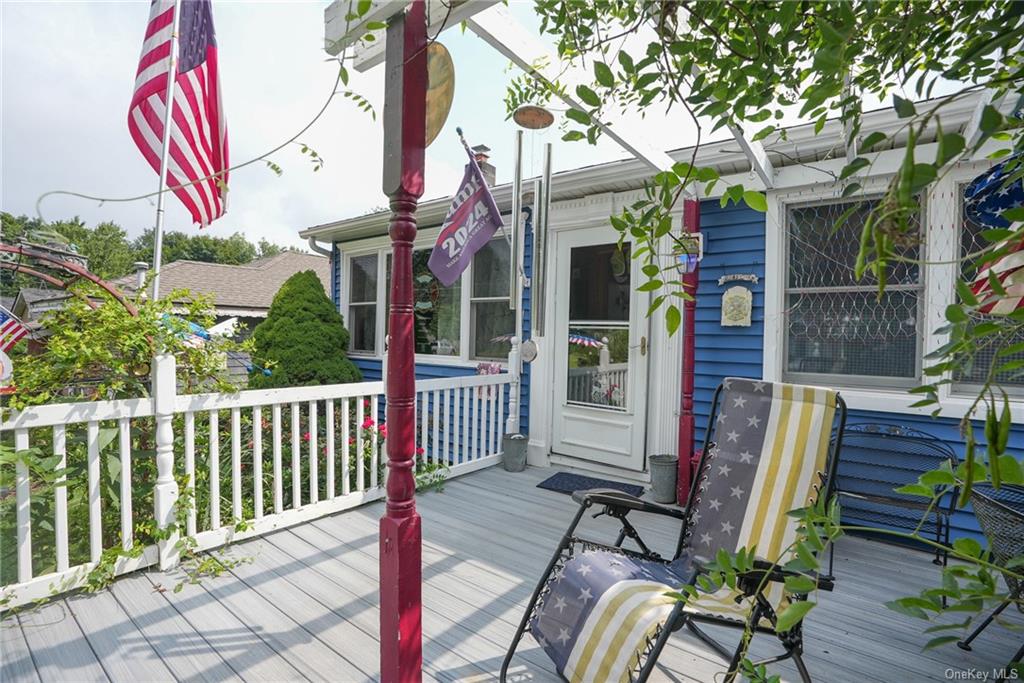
x=618 y=504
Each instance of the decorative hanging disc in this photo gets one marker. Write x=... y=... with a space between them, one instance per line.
x=533 y=117
x=440 y=88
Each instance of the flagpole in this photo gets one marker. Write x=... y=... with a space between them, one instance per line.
x=158 y=235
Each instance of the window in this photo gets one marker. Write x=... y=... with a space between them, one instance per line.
x=491 y=321
x=971 y=241
x=836 y=328
x=362 y=305
x=437 y=310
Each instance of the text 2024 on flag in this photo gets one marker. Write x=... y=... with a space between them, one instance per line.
x=197 y=170
x=471 y=222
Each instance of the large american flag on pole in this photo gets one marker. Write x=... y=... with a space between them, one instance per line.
x=198 y=162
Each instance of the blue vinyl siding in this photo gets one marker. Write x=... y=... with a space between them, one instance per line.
x=734 y=243
x=335 y=276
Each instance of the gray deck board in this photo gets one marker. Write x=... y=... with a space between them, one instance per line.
x=305 y=606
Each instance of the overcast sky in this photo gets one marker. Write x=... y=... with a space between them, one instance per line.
x=67 y=75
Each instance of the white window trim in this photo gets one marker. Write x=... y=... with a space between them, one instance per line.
x=941 y=247
x=425 y=239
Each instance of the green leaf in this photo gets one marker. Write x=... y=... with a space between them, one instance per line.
x=915 y=490
x=755 y=200
x=937 y=478
x=650 y=286
x=955 y=314
x=588 y=96
x=573 y=135
x=991 y=120
x=967 y=546
x=800 y=584
x=793 y=614
x=673 y=318
x=578 y=116
x=872 y=139
x=904 y=108
x=941 y=640
x=604 y=74
x=853 y=167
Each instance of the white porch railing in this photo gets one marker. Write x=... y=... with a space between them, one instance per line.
x=247 y=463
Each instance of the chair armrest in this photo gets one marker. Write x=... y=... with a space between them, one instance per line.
x=778 y=574
x=619 y=499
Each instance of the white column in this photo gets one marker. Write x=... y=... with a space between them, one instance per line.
x=165 y=498
x=514 y=370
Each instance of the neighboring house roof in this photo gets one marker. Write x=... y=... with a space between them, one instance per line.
x=246 y=290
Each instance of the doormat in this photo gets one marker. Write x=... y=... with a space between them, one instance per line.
x=565 y=482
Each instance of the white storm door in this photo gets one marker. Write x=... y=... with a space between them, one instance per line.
x=600 y=351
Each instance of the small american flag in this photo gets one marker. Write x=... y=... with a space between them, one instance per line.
x=11 y=330
x=197 y=168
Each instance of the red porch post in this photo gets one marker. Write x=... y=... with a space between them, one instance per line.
x=401 y=659
x=691 y=224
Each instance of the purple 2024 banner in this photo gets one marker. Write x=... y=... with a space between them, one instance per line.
x=472 y=220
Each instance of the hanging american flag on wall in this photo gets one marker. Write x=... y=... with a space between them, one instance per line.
x=198 y=161
x=987 y=198
x=11 y=330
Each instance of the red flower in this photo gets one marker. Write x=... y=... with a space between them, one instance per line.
x=368 y=423
x=351 y=439
x=306 y=436
x=419 y=450
x=383 y=430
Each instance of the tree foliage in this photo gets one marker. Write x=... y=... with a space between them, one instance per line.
x=303 y=340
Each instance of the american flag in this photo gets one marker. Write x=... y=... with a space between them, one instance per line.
x=11 y=330
x=198 y=162
x=986 y=199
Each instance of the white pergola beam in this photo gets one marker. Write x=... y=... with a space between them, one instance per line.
x=506 y=35
x=756 y=155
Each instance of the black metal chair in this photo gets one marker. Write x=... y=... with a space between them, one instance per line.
x=877 y=458
x=1000 y=514
x=750 y=474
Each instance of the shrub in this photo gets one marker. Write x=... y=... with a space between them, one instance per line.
x=303 y=340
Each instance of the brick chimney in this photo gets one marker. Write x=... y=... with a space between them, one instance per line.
x=480 y=153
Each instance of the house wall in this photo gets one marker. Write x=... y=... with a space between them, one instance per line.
x=372 y=368
x=735 y=243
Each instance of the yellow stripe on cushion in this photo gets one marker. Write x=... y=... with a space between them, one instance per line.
x=599 y=620
x=767 y=486
x=781 y=521
x=630 y=634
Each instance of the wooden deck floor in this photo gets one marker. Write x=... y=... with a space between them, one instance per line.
x=305 y=607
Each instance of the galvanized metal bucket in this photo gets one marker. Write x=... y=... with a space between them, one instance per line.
x=664 y=469
x=514 y=447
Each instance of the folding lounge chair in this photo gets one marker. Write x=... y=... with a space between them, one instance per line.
x=601 y=611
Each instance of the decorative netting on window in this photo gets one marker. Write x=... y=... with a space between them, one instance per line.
x=835 y=323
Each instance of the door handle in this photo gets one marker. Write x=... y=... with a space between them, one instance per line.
x=643 y=346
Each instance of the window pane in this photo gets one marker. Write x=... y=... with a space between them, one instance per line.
x=362 y=326
x=852 y=333
x=364 y=279
x=599 y=283
x=971 y=241
x=598 y=371
x=436 y=309
x=490 y=270
x=493 y=323
x=822 y=256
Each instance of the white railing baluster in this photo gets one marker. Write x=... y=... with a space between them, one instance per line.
x=296 y=460
x=214 y=469
x=360 y=464
x=374 y=445
x=314 y=469
x=500 y=425
x=456 y=424
x=60 y=495
x=236 y=465
x=257 y=462
x=23 y=488
x=466 y=394
x=125 y=451
x=190 y=471
x=447 y=441
x=95 y=512
x=329 y=453
x=346 y=479
x=477 y=419
x=278 y=476
x=424 y=428
x=489 y=440
x=435 y=443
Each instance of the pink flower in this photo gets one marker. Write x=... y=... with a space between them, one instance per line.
x=383 y=430
x=306 y=436
x=351 y=439
x=366 y=403
x=419 y=451
x=368 y=423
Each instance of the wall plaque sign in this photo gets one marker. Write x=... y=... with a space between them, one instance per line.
x=737 y=303
x=738 y=277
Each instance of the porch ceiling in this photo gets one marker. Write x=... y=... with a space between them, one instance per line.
x=306 y=606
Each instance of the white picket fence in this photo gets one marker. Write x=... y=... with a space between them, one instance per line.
x=293 y=454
